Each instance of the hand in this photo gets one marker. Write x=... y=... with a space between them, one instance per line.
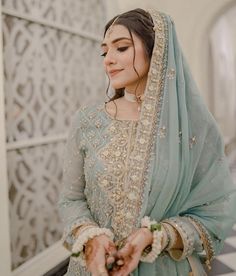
x=99 y=252
x=130 y=254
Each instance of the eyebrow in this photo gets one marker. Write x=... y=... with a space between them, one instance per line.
x=116 y=40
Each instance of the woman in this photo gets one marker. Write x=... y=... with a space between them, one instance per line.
x=147 y=189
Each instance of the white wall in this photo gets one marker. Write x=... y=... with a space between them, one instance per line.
x=193 y=20
x=5 y=255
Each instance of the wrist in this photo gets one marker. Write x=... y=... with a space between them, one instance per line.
x=84 y=238
x=148 y=236
x=151 y=252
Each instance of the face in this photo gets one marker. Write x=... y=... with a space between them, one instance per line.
x=118 y=52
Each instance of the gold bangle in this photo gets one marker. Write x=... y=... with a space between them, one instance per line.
x=78 y=230
x=186 y=236
x=171 y=234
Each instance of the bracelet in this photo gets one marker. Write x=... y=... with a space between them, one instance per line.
x=166 y=238
x=83 y=229
x=83 y=238
x=185 y=234
x=78 y=230
x=149 y=256
x=171 y=234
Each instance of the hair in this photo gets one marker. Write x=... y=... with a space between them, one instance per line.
x=139 y=22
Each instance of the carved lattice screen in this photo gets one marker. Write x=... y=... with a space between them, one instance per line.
x=51 y=66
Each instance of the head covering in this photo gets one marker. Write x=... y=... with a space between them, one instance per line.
x=178 y=163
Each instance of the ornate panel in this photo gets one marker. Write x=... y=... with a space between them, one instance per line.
x=71 y=13
x=34 y=177
x=49 y=71
x=47 y=74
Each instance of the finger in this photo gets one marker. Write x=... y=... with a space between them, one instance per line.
x=120 y=272
x=111 y=252
x=101 y=271
x=126 y=251
x=115 y=273
x=132 y=264
x=111 y=247
x=120 y=262
x=98 y=266
x=110 y=260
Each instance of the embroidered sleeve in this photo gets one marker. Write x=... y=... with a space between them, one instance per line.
x=208 y=250
x=191 y=239
x=72 y=204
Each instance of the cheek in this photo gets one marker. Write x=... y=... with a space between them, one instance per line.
x=104 y=66
x=141 y=60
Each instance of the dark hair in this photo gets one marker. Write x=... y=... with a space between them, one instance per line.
x=139 y=22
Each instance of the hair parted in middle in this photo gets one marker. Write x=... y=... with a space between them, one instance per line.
x=139 y=22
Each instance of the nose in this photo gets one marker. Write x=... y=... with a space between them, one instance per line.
x=109 y=58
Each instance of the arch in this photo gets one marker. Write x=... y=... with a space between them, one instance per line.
x=200 y=43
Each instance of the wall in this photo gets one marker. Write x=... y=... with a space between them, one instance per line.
x=50 y=53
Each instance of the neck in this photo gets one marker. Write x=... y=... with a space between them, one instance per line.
x=137 y=88
x=134 y=99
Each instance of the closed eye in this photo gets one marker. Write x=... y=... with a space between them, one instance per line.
x=122 y=49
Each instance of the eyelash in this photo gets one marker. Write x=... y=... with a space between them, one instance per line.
x=120 y=49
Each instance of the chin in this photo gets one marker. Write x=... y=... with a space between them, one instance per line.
x=117 y=86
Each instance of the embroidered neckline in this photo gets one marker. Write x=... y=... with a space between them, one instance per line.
x=103 y=108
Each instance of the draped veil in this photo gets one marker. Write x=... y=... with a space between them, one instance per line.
x=181 y=168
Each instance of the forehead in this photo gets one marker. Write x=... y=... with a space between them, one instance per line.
x=114 y=32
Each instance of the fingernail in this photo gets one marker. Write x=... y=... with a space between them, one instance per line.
x=120 y=262
x=110 y=259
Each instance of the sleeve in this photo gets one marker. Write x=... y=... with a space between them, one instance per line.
x=73 y=208
x=191 y=239
x=210 y=208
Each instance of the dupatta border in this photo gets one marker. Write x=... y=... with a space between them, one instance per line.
x=129 y=217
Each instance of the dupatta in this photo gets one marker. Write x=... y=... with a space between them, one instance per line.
x=178 y=167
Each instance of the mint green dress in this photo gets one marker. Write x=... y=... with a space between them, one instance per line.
x=169 y=164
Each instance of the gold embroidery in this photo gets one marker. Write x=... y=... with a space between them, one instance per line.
x=127 y=159
x=206 y=240
x=116 y=156
x=162 y=132
x=128 y=149
x=192 y=142
x=171 y=74
x=149 y=120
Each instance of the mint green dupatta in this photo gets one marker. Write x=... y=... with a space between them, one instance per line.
x=178 y=165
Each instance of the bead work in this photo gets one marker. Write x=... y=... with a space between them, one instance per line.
x=171 y=74
x=126 y=156
x=150 y=112
x=186 y=236
x=116 y=157
x=206 y=240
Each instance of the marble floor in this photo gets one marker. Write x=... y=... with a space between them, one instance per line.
x=225 y=263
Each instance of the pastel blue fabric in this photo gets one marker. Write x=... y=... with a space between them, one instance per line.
x=183 y=172
x=190 y=174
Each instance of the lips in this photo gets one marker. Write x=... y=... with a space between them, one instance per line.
x=114 y=72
